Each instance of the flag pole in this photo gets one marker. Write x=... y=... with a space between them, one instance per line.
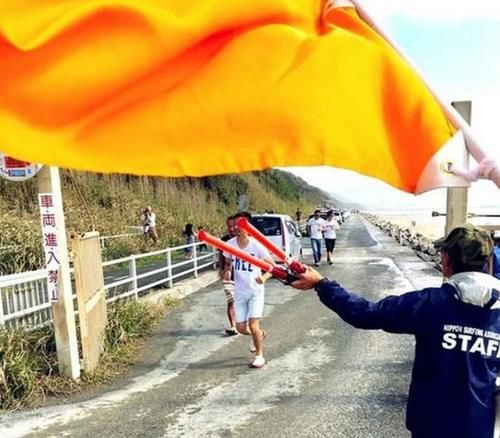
x=454 y=117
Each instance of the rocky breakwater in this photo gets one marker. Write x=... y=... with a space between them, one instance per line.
x=422 y=245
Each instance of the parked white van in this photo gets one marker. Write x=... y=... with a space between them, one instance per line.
x=282 y=231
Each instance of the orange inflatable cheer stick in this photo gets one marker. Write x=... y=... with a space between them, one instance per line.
x=276 y=271
x=295 y=266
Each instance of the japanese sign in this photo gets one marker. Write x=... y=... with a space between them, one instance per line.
x=50 y=243
x=16 y=170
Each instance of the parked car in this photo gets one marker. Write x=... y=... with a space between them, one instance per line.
x=338 y=215
x=282 y=231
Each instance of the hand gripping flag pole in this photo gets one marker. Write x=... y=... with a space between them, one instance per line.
x=276 y=271
x=295 y=266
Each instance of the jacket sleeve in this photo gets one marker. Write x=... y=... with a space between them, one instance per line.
x=406 y=313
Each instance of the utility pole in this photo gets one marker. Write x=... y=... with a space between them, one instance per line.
x=456 y=199
x=49 y=189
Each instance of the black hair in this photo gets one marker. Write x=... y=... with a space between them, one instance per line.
x=188 y=230
x=457 y=264
x=244 y=214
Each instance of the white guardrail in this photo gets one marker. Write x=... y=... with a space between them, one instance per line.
x=24 y=300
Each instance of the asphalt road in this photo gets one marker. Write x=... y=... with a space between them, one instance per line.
x=323 y=378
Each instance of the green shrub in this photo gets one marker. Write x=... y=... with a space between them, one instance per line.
x=28 y=361
x=20 y=244
x=24 y=357
x=129 y=321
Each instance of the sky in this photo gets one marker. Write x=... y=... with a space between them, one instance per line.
x=455 y=44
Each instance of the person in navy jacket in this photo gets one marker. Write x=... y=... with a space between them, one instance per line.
x=457 y=332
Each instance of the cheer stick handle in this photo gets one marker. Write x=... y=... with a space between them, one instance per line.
x=295 y=266
x=276 y=271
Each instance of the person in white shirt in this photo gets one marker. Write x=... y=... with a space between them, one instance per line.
x=315 y=227
x=248 y=288
x=331 y=226
x=149 y=224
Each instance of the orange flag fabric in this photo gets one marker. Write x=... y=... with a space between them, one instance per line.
x=201 y=87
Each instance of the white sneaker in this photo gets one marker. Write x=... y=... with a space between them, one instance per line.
x=258 y=362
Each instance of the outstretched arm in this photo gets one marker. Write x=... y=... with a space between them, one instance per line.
x=397 y=314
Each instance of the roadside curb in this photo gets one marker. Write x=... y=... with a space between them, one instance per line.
x=184 y=288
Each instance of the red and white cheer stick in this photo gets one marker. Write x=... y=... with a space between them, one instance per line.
x=276 y=271
x=295 y=266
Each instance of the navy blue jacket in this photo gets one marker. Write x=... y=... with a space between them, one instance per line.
x=457 y=353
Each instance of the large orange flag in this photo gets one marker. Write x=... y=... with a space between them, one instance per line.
x=200 y=87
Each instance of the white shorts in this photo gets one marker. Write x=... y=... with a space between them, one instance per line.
x=248 y=306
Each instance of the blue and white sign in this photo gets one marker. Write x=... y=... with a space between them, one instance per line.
x=13 y=169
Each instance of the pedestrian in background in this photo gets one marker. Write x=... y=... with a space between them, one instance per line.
x=330 y=234
x=228 y=283
x=457 y=333
x=315 y=227
x=298 y=215
x=189 y=240
x=149 y=225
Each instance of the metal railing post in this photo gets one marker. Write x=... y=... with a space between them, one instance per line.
x=169 y=270
x=195 y=260
x=133 y=274
x=35 y=300
x=2 y=320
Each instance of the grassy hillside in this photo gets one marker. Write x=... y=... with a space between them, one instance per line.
x=112 y=203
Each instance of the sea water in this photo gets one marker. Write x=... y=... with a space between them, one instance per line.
x=421 y=220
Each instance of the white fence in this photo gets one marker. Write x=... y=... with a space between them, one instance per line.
x=24 y=300
x=133 y=232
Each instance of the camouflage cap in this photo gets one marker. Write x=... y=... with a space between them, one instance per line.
x=472 y=244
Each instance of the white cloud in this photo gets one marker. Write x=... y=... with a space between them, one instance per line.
x=485 y=123
x=355 y=188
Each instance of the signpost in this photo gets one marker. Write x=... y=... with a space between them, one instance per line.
x=13 y=169
x=59 y=279
x=51 y=244
x=456 y=204
x=56 y=256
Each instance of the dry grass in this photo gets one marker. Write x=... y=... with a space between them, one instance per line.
x=115 y=202
x=28 y=362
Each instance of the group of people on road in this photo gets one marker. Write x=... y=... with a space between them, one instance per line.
x=457 y=331
x=244 y=284
x=456 y=326
x=319 y=229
